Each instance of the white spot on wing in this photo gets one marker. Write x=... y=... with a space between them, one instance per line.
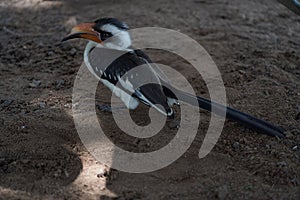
x=129 y=101
x=126 y=84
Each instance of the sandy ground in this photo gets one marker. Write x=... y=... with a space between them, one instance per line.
x=256 y=47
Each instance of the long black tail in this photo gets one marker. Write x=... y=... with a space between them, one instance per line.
x=235 y=115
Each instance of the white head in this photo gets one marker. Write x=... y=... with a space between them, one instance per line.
x=109 y=32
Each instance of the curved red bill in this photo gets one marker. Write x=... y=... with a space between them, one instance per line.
x=84 y=30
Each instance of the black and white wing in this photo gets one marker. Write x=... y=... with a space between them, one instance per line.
x=113 y=68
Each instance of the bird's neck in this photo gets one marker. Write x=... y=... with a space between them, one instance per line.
x=90 y=45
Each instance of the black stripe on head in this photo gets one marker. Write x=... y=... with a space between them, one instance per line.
x=113 y=21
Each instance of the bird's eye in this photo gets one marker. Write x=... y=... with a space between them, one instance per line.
x=104 y=35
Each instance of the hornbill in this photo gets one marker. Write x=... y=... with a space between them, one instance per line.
x=110 y=36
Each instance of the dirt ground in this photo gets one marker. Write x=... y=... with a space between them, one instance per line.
x=256 y=45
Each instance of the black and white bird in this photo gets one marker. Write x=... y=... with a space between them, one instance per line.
x=109 y=38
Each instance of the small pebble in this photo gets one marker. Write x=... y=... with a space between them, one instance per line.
x=42 y=104
x=23 y=127
x=50 y=53
x=102 y=188
x=6 y=103
x=281 y=164
x=102 y=173
x=66 y=173
x=59 y=84
x=35 y=83
x=295 y=148
x=236 y=145
x=68 y=105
